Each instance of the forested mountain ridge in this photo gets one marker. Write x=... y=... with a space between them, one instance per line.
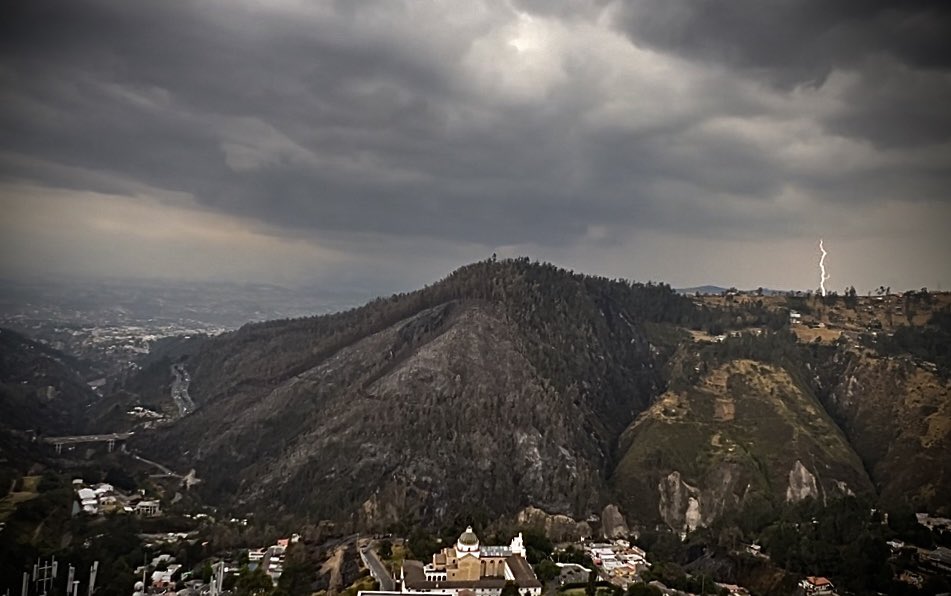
x=511 y=383
x=505 y=384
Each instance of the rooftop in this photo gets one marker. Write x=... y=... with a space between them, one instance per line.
x=469 y=538
x=415 y=578
x=819 y=581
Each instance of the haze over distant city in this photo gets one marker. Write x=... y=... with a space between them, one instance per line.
x=386 y=143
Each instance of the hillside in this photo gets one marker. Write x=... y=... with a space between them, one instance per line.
x=897 y=415
x=505 y=384
x=513 y=383
x=41 y=389
x=881 y=367
x=746 y=432
x=42 y=392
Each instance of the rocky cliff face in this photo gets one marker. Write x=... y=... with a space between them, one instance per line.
x=746 y=427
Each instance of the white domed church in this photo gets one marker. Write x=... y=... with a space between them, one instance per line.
x=470 y=568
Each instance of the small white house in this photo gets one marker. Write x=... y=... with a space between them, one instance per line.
x=148 y=508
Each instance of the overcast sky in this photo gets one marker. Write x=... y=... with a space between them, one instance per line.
x=388 y=142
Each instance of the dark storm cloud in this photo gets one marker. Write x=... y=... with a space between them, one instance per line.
x=525 y=123
x=795 y=41
x=900 y=50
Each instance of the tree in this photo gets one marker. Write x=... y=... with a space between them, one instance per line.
x=205 y=572
x=386 y=549
x=253 y=583
x=299 y=573
x=592 y=586
x=509 y=589
x=537 y=546
x=639 y=589
x=851 y=297
x=546 y=570
x=422 y=545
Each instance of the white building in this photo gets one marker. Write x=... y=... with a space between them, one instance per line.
x=471 y=569
x=816 y=585
x=149 y=508
x=88 y=501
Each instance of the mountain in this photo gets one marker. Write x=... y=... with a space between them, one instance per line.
x=506 y=384
x=41 y=389
x=512 y=384
x=708 y=289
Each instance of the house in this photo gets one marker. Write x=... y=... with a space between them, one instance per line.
x=88 y=501
x=163 y=559
x=148 y=508
x=933 y=523
x=816 y=585
x=256 y=555
x=895 y=545
x=104 y=489
x=163 y=579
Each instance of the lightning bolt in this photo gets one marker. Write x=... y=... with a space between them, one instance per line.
x=822 y=269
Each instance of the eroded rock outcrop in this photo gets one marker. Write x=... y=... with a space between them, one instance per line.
x=802 y=484
x=613 y=524
x=676 y=499
x=558 y=528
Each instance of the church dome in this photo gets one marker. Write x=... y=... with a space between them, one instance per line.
x=468 y=541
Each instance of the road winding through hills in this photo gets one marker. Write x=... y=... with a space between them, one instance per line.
x=180 y=390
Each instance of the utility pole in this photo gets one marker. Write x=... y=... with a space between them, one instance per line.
x=92 y=576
